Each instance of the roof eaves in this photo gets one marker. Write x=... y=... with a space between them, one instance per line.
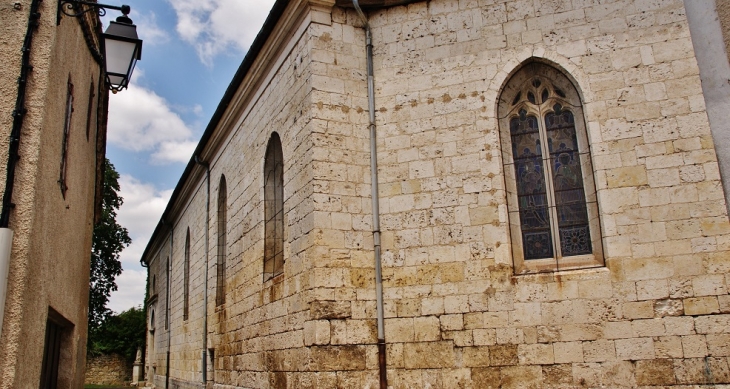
x=276 y=12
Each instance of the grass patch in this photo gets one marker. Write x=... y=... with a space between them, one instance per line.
x=92 y=386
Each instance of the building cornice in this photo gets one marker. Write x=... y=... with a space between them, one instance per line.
x=283 y=22
x=374 y=4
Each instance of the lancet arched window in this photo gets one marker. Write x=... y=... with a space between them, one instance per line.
x=273 y=209
x=548 y=172
x=220 y=290
x=186 y=277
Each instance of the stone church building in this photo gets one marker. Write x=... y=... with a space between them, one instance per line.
x=456 y=194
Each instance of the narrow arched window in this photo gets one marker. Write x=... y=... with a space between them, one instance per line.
x=273 y=209
x=220 y=290
x=548 y=172
x=90 y=108
x=62 y=182
x=186 y=277
x=168 y=296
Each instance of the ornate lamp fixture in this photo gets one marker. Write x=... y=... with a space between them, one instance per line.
x=122 y=47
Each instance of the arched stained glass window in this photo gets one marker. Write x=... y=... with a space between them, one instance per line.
x=273 y=209
x=220 y=290
x=548 y=172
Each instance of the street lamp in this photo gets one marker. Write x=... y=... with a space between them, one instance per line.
x=122 y=50
x=122 y=47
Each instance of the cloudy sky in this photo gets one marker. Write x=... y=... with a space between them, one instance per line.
x=191 y=51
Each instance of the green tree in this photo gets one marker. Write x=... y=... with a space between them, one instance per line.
x=109 y=240
x=121 y=334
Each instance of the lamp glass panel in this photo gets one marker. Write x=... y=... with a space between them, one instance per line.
x=119 y=56
x=115 y=79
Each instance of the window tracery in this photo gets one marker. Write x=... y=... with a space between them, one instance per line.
x=548 y=172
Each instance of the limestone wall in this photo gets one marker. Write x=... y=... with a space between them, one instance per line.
x=112 y=369
x=259 y=318
x=457 y=314
x=452 y=299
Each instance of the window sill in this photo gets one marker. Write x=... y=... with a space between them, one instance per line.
x=584 y=273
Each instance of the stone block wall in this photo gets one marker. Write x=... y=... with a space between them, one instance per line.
x=111 y=369
x=157 y=321
x=261 y=324
x=656 y=315
x=456 y=314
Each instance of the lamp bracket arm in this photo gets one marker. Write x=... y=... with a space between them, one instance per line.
x=75 y=8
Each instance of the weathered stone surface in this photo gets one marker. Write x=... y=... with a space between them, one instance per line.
x=111 y=369
x=668 y=308
x=462 y=306
x=503 y=355
x=702 y=370
x=425 y=355
x=330 y=310
x=331 y=358
x=655 y=372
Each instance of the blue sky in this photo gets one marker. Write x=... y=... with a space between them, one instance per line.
x=191 y=50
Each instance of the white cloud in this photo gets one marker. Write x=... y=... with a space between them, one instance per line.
x=147 y=27
x=216 y=26
x=174 y=152
x=142 y=121
x=142 y=208
x=149 y=31
x=130 y=293
x=143 y=205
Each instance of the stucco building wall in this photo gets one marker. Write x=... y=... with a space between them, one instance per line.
x=457 y=313
x=49 y=266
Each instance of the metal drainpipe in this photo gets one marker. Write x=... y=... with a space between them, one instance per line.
x=6 y=234
x=19 y=114
x=205 y=292
x=168 y=310
x=375 y=201
x=147 y=361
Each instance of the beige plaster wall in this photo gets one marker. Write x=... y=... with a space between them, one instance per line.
x=456 y=314
x=50 y=258
x=13 y=28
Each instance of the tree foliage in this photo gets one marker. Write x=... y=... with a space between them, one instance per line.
x=121 y=334
x=109 y=240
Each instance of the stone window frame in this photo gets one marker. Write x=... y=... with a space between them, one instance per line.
x=92 y=94
x=168 y=294
x=186 y=277
x=273 y=209
x=222 y=229
x=66 y=134
x=513 y=99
